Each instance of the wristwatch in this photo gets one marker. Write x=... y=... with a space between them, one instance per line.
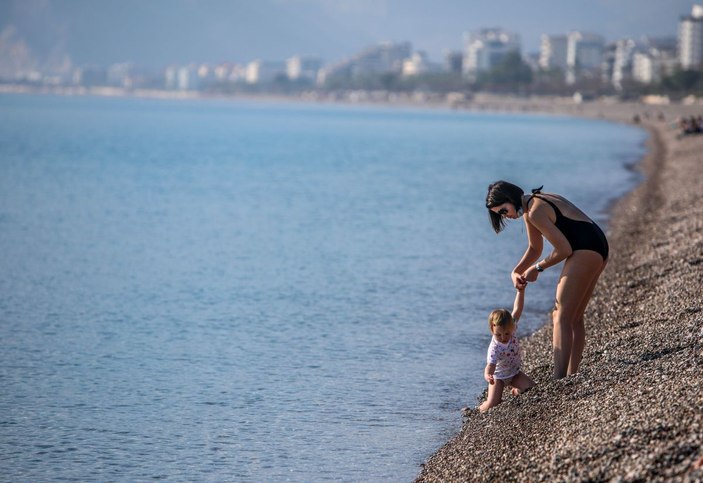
x=538 y=268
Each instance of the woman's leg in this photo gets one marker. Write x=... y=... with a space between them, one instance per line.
x=579 y=271
x=495 y=395
x=579 y=329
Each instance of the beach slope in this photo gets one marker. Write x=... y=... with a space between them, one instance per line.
x=634 y=412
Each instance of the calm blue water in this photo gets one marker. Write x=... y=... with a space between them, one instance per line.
x=225 y=291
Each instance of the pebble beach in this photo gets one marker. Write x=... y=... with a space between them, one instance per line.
x=634 y=412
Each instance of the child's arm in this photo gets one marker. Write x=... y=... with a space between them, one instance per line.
x=488 y=373
x=518 y=305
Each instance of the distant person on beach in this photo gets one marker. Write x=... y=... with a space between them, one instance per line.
x=503 y=359
x=690 y=126
x=577 y=241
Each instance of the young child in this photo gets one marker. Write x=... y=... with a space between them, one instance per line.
x=503 y=359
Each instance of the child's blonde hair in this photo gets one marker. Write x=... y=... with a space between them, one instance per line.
x=500 y=318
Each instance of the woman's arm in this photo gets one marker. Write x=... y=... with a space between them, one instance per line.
x=535 y=244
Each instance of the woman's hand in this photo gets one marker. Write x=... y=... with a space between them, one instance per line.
x=519 y=281
x=530 y=274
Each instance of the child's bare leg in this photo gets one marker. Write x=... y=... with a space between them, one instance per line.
x=521 y=383
x=495 y=395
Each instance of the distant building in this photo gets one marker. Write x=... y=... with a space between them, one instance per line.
x=487 y=48
x=181 y=78
x=260 y=72
x=584 y=54
x=342 y=70
x=453 y=62
x=532 y=60
x=91 y=76
x=171 y=78
x=655 y=60
x=386 y=57
x=227 y=72
x=382 y=58
x=691 y=39
x=303 y=68
x=120 y=75
x=607 y=66
x=187 y=78
x=206 y=75
x=418 y=63
x=645 y=68
x=625 y=49
x=222 y=72
x=553 y=52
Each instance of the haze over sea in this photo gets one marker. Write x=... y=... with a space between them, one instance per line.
x=231 y=291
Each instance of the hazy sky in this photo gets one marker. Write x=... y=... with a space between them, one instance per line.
x=159 y=32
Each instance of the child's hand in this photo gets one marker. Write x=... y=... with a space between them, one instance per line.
x=489 y=378
x=530 y=274
x=519 y=281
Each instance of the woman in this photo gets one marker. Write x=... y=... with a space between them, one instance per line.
x=577 y=241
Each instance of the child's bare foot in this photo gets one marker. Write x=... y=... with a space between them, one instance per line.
x=515 y=391
x=485 y=406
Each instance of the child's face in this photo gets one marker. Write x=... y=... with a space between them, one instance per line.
x=503 y=334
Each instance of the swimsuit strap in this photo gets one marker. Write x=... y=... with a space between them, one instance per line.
x=557 y=211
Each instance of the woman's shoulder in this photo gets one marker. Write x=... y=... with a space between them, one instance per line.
x=551 y=200
x=543 y=210
x=549 y=197
x=541 y=202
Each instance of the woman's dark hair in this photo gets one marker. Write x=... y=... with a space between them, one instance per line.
x=498 y=193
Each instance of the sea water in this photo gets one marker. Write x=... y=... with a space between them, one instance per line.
x=229 y=291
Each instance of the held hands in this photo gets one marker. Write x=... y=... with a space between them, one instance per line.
x=531 y=274
x=519 y=281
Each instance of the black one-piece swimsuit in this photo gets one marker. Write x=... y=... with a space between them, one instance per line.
x=581 y=235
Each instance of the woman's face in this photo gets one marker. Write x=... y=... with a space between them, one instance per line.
x=506 y=210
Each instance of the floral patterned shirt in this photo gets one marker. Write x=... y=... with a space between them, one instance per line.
x=506 y=358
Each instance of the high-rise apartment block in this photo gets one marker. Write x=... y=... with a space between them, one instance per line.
x=584 y=54
x=622 y=62
x=584 y=50
x=646 y=69
x=486 y=48
x=691 y=39
x=553 y=52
